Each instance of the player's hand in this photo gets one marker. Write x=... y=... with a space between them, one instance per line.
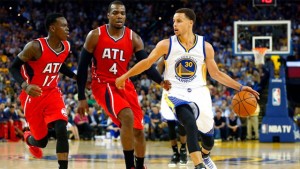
x=33 y=90
x=83 y=107
x=249 y=89
x=120 y=82
x=166 y=84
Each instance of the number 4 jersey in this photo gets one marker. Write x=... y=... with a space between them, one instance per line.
x=111 y=55
x=44 y=71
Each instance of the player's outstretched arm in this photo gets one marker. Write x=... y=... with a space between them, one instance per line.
x=141 y=54
x=160 y=50
x=221 y=77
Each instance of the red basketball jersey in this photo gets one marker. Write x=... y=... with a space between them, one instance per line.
x=111 y=56
x=44 y=71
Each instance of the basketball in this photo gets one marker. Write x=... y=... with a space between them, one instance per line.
x=244 y=104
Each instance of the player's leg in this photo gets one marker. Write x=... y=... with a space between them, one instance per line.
x=183 y=153
x=186 y=117
x=206 y=147
x=139 y=147
x=62 y=144
x=173 y=141
x=36 y=138
x=139 y=136
x=126 y=133
x=56 y=116
x=205 y=124
x=118 y=109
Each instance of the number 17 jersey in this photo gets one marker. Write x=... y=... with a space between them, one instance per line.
x=44 y=72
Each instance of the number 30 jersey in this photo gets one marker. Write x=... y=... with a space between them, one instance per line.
x=186 y=68
x=111 y=55
x=44 y=71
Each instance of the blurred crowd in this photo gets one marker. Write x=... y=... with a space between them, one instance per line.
x=22 y=21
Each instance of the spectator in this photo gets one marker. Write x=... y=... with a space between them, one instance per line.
x=113 y=129
x=94 y=121
x=147 y=124
x=297 y=116
x=155 y=119
x=2 y=97
x=220 y=126
x=71 y=126
x=252 y=122
x=14 y=123
x=84 y=128
x=3 y=124
x=234 y=127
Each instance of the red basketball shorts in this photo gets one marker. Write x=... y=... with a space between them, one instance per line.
x=40 y=111
x=113 y=100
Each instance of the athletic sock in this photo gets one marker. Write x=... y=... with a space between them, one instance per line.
x=183 y=146
x=139 y=162
x=175 y=149
x=129 y=158
x=63 y=164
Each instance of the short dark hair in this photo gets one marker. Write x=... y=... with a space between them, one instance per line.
x=115 y=3
x=189 y=13
x=51 y=18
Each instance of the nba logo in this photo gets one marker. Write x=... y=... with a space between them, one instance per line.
x=264 y=128
x=276 y=97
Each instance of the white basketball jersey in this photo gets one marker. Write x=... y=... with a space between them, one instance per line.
x=186 y=68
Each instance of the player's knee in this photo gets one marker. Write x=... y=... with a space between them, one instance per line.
x=181 y=130
x=207 y=142
x=60 y=130
x=172 y=131
x=43 y=142
x=126 y=117
x=138 y=133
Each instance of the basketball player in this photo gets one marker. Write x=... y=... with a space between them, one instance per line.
x=187 y=56
x=37 y=69
x=111 y=46
x=177 y=157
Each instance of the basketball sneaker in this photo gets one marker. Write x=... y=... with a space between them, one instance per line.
x=35 y=151
x=183 y=157
x=174 y=160
x=145 y=167
x=208 y=161
x=200 y=166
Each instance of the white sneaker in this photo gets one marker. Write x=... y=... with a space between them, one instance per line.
x=209 y=162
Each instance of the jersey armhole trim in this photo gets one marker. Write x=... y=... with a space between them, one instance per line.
x=170 y=47
x=40 y=42
x=204 y=53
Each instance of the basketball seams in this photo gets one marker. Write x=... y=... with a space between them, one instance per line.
x=237 y=102
x=249 y=102
x=245 y=109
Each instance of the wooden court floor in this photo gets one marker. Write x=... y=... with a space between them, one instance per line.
x=108 y=155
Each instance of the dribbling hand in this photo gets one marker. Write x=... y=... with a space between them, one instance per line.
x=249 y=89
